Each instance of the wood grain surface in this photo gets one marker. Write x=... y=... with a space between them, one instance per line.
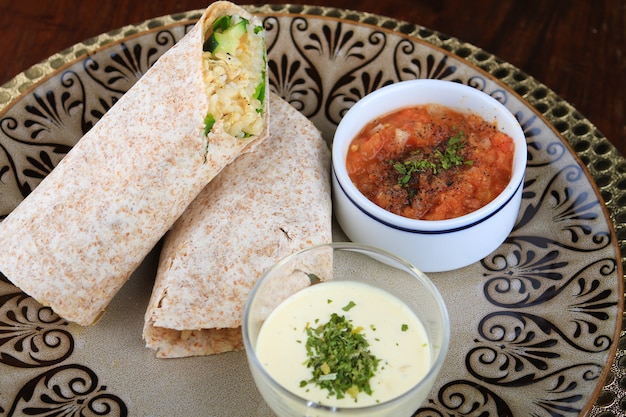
x=576 y=48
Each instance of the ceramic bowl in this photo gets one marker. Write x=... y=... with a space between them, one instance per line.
x=313 y=272
x=430 y=245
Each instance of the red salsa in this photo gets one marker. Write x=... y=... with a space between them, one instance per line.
x=430 y=162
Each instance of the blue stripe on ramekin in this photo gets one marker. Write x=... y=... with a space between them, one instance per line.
x=428 y=232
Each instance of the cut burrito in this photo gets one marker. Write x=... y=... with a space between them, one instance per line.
x=74 y=241
x=266 y=205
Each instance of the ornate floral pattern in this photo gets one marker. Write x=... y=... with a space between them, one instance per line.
x=464 y=398
x=31 y=335
x=540 y=314
x=68 y=390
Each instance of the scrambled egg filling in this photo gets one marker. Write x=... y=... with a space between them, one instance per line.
x=235 y=76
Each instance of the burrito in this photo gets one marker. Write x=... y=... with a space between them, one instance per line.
x=74 y=241
x=267 y=204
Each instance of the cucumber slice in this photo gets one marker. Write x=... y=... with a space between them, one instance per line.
x=210 y=44
x=221 y=23
x=226 y=40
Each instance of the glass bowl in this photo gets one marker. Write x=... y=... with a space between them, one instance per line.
x=336 y=273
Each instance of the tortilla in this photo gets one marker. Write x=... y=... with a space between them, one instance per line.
x=267 y=204
x=74 y=241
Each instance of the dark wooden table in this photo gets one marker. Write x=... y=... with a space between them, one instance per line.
x=577 y=48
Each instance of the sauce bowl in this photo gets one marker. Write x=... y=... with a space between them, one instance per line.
x=331 y=265
x=430 y=245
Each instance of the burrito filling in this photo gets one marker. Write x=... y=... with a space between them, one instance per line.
x=234 y=54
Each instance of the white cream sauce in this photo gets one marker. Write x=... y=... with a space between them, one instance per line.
x=404 y=355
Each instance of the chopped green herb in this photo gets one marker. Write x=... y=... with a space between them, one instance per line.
x=329 y=301
x=348 y=306
x=259 y=92
x=209 y=121
x=440 y=160
x=405 y=327
x=340 y=359
x=407 y=168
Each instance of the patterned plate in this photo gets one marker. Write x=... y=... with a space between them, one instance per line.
x=535 y=325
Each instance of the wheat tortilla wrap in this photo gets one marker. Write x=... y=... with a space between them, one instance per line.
x=74 y=241
x=266 y=205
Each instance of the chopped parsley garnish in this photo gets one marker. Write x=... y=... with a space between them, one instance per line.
x=348 y=306
x=440 y=160
x=405 y=327
x=339 y=357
